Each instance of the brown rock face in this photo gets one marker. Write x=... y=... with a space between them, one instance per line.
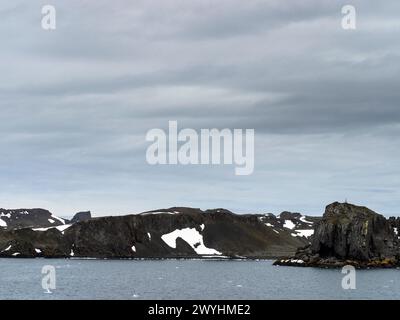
x=143 y=236
x=350 y=234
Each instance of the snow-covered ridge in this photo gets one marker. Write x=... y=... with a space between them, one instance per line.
x=12 y=219
x=296 y=224
x=159 y=212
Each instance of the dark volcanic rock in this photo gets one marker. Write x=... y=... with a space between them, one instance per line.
x=166 y=233
x=28 y=218
x=350 y=234
x=81 y=216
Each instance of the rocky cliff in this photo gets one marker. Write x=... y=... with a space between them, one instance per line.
x=28 y=218
x=349 y=234
x=166 y=233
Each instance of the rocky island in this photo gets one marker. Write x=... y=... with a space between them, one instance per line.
x=350 y=235
x=346 y=234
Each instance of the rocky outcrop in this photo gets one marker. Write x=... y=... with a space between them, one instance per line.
x=349 y=234
x=28 y=218
x=81 y=216
x=167 y=233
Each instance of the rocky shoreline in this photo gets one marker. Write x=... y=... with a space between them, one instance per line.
x=350 y=235
x=345 y=235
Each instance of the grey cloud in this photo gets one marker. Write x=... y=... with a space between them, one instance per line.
x=76 y=103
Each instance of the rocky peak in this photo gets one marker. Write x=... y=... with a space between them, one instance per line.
x=286 y=215
x=351 y=233
x=347 y=210
x=81 y=216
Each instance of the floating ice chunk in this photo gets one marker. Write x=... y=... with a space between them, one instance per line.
x=192 y=237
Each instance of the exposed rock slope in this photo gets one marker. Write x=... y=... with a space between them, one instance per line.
x=349 y=234
x=28 y=218
x=170 y=233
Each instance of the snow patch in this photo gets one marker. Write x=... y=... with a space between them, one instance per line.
x=3 y=223
x=192 y=237
x=149 y=235
x=159 y=212
x=303 y=233
x=304 y=219
x=289 y=224
x=59 y=228
x=133 y=248
x=51 y=220
x=296 y=261
x=7 y=249
x=8 y=215
x=38 y=251
x=57 y=218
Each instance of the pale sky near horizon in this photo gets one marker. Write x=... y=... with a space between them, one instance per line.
x=77 y=102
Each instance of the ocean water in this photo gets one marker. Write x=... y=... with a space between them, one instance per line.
x=188 y=279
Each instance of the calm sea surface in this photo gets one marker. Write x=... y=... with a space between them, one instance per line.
x=188 y=279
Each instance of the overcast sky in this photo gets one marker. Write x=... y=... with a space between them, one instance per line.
x=77 y=102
